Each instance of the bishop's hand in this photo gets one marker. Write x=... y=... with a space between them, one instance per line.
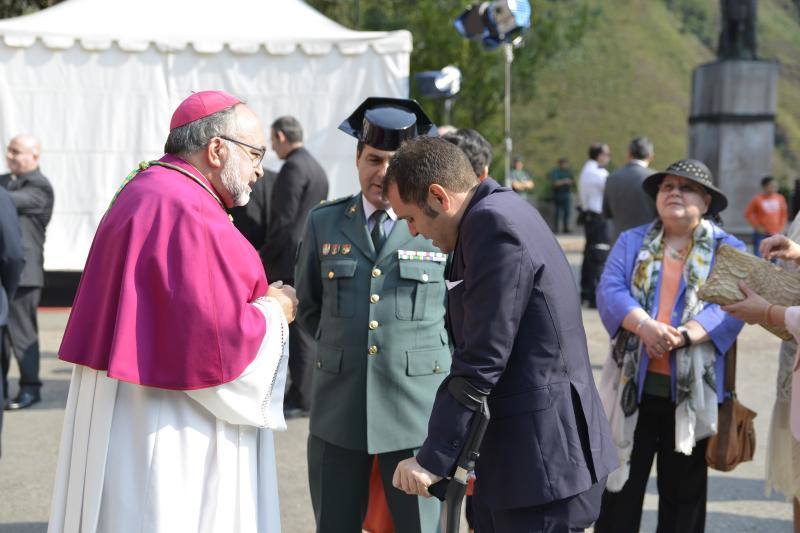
x=286 y=296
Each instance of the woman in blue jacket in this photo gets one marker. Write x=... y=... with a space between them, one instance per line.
x=663 y=379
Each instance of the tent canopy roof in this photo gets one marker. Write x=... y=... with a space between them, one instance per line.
x=244 y=26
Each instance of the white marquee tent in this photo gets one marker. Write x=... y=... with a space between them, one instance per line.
x=97 y=81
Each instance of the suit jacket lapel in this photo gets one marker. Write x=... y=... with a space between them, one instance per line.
x=355 y=227
x=457 y=267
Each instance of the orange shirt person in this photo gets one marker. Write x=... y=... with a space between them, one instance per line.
x=766 y=212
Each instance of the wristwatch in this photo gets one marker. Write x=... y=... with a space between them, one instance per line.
x=686 y=340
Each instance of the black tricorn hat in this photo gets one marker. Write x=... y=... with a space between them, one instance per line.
x=694 y=170
x=385 y=123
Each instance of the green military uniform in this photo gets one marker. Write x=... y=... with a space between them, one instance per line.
x=378 y=317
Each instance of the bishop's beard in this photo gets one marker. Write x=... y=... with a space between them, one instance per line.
x=238 y=189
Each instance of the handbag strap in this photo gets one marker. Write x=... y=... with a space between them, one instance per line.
x=730 y=370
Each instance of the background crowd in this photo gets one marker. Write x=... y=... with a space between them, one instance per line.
x=651 y=238
x=374 y=338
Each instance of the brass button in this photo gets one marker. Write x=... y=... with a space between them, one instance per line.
x=375 y=298
x=376 y=272
x=437 y=369
x=425 y=278
x=373 y=350
x=319 y=364
x=373 y=324
x=330 y=274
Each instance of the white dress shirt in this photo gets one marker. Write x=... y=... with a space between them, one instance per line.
x=591 y=184
x=369 y=209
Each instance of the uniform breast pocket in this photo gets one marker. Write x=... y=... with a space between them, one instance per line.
x=339 y=288
x=420 y=292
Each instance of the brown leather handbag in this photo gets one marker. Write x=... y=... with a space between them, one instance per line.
x=735 y=441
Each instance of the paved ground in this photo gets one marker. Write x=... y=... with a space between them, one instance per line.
x=737 y=502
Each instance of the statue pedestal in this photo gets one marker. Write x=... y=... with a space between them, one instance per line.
x=732 y=129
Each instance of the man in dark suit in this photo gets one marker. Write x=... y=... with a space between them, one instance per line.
x=301 y=184
x=515 y=321
x=252 y=218
x=32 y=195
x=624 y=200
x=12 y=261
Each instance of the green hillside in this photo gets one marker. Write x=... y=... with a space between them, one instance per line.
x=631 y=75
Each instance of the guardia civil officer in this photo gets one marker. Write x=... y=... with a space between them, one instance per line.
x=373 y=296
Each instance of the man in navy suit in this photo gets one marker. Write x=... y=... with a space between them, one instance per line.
x=515 y=320
x=12 y=262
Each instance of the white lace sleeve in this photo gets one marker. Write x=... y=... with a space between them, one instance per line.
x=256 y=397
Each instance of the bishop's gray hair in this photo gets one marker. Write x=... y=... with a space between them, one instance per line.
x=194 y=136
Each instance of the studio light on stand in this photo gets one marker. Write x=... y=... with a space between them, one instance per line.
x=500 y=22
x=441 y=84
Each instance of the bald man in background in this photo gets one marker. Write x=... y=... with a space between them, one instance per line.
x=32 y=195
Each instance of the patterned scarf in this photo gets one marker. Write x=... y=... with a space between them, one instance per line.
x=696 y=391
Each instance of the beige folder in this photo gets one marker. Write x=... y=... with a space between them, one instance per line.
x=772 y=282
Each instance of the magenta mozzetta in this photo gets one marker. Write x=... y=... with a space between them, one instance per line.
x=160 y=218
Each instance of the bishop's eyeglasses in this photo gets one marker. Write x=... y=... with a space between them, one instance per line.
x=257 y=157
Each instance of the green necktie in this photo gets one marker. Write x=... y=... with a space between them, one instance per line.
x=378 y=234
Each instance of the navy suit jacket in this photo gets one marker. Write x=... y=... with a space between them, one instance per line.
x=252 y=219
x=12 y=262
x=515 y=320
x=12 y=254
x=300 y=186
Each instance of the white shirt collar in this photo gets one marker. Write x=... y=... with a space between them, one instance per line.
x=593 y=165
x=640 y=162
x=369 y=209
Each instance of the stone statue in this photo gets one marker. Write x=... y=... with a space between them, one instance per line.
x=737 y=40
